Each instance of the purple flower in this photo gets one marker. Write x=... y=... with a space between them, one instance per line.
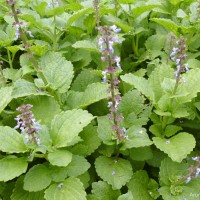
x=27 y=124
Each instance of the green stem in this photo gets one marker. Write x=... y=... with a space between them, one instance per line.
x=9 y=59
x=26 y=45
x=135 y=45
x=54 y=33
x=1 y=58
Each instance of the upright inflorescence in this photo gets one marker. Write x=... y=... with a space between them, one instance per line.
x=194 y=170
x=106 y=44
x=179 y=56
x=27 y=124
x=96 y=11
x=21 y=27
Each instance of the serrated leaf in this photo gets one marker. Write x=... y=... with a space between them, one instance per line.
x=191 y=88
x=93 y=93
x=57 y=71
x=172 y=184
x=171 y=130
x=12 y=167
x=85 y=78
x=12 y=141
x=176 y=147
x=132 y=99
x=86 y=44
x=105 y=131
x=57 y=174
x=85 y=179
x=115 y=172
x=127 y=196
x=169 y=24
x=71 y=188
x=20 y=193
x=157 y=77
x=102 y=190
x=78 y=15
x=141 y=153
x=67 y=125
x=119 y=23
x=44 y=108
x=37 y=178
x=170 y=170
x=139 y=186
x=5 y=95
x=77 y=166
x=60 y=157
x=24 y=88
x=156 y=42
x=137 y=11
x=140 y=84
x=89 y=144
x=137 y=137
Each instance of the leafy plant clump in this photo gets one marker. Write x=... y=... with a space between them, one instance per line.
x=100 y=100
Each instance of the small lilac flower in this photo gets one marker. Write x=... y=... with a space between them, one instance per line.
x=188 y=179
x=27 y=124
x=115 y=29
x=178 y=55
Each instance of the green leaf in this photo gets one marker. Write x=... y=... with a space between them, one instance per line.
x=157 y=77
x=173 y=184
x=5 y=95
x=60 y=158
x=44 y=108
x=171 y=171
x=20 y=193
x=141 y=153
x=78 y=14
x=137 y=11
x=155 y=42
x=85 y=179
x=79 y=165
x=93 y=93
x=190 y=89
x=24 y=88
x=134 y=110
x=85 y=78
x=176 y=147
x=102 y=190
x=71 y=188
x=105 y=131
x=132 y=99
x=89 y=144
x=37 y=178
x=115 y=172
x=87 y=45
x=140 y=184
x=67 y=125
x=12 y=167
x=57 y=71
x=137 y=137
x=171 y=130
x=13 y=142
x=169 y=24
x=127 y=196
x=57 y=174
x=140 y=84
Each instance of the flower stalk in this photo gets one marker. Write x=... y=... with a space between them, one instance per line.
x=20 y=33
x=27 y=124
x=106 y=43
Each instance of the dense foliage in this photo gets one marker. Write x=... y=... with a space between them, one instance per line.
x=99 y=100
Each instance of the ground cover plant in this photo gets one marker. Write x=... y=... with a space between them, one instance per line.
x=99 y=100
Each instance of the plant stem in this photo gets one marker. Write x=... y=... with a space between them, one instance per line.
x=26 y=45
x=9 y=59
